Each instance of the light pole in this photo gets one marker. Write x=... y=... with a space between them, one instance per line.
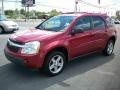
x=76 y=2
x=99 y=1
x=2 y=8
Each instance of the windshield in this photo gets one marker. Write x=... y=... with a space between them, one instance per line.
x=56 y=23
x=2 y=17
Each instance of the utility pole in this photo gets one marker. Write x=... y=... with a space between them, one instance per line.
x=76 y=2
x=76 y=5
x=99 y=2
x=2 y=9
x=28 y=12
x=25 y=13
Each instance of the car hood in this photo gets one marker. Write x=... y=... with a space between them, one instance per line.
x=9 y=22
x=33 y=35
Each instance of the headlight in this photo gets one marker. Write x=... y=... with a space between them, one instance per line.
x=31 y=48
x=12 y=26
x=9 y=25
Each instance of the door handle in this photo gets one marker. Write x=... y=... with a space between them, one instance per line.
x=92 y=34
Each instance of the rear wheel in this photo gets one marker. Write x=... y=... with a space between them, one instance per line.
x=54 y=63
x=109 y=48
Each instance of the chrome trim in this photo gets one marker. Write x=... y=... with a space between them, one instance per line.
x=13 y=44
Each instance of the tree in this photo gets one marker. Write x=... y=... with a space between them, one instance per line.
x=53 y=12
x=32 y=14
x=38 y=13
x=118 y=15
x=9 y=13
x=22 y=11
x=16 y=11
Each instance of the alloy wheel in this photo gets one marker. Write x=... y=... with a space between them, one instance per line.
x=110 y=47
x=56 y=64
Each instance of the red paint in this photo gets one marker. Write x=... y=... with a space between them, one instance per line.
x=78 y=44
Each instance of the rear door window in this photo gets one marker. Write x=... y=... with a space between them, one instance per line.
x=98 y=22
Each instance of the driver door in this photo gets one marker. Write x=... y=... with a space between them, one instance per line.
x=82 y=42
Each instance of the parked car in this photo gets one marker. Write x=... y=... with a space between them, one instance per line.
x=7 y=25
x=60 y=39
x=117 y=21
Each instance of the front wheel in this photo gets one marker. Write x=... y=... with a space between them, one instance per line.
x=109 y=48
x=54 y=63
x=1 y=30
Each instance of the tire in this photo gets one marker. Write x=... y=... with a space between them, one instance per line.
x=1 y=30
x=109 y=48
x=12 y=31
x=51 y=63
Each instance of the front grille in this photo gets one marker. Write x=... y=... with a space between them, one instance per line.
x=14 y=47
x=16 y=42
x=14 y=25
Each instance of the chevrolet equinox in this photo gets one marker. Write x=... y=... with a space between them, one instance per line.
x=60 y=39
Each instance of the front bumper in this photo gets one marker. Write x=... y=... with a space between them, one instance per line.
x=14 y=59
x=12 y=28
x=30 y=61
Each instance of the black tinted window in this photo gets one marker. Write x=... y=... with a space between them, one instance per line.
x=83 y=23
x=98 y=22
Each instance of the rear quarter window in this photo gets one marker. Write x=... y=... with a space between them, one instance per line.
x=109 y=21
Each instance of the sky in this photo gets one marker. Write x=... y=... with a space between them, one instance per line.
x=108 y=6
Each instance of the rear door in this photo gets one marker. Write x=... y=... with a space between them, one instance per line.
x=99 y=32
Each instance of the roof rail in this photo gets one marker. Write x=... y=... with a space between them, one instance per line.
x=82 y=12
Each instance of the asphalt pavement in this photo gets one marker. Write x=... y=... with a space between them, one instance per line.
x=92 y=72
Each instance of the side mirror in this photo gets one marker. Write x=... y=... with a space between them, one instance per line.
x=76 y=30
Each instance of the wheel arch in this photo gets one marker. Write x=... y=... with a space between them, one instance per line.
x=2 y=28
x=112 y=38
x=61 y=49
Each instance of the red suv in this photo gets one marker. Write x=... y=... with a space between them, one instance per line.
x=60 y=39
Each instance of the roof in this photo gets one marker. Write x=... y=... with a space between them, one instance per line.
x=82 y=13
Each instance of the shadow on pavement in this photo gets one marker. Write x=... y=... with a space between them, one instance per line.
x=6 y=33
x=18 y=78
